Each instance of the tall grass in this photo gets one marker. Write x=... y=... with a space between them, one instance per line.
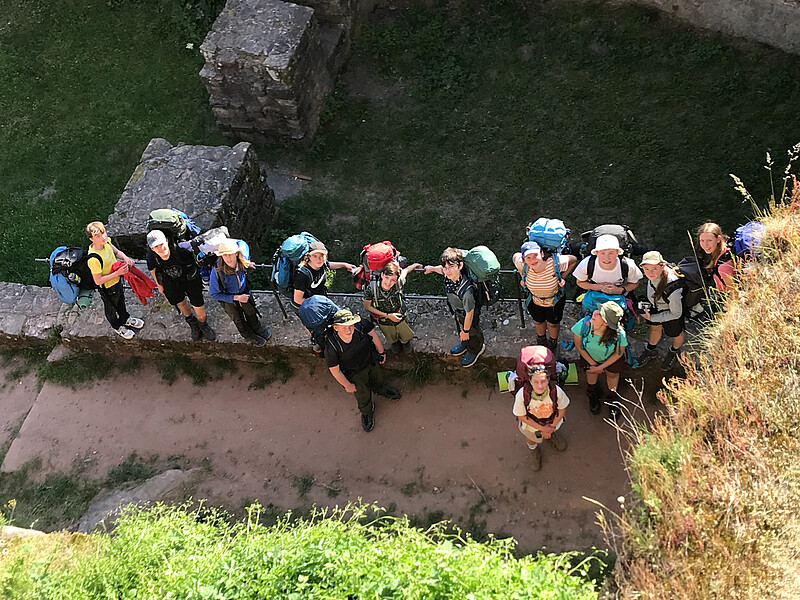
x=715 y=511
x=343 y=553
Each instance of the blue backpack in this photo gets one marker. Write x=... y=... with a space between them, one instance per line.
x=66 y=291
x=586 y=329
x=747 y=239
x=551 y=234
x=316 y=314
x=287 y=257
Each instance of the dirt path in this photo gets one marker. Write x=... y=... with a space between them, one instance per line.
x=445 y=450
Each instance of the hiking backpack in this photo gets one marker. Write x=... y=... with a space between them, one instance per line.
x=373 y=258
x=286 y=259
x=695 y=282
x=173 y=223
x=746 y=240
x=72 y=263
x=528 y=358
x=626 y=238
x=586 y=330
x=66 y=291
x=484 y=270
x=316 y=313
x=550 y=234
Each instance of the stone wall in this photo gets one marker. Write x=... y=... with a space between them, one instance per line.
x=214 y=185
x=772 y=22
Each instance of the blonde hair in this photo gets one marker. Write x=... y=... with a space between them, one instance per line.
x=241 y=264
x=94 y=228
x=722 y=242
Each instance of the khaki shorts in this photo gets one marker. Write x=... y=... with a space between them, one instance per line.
x=533 y=435
x=397 y=332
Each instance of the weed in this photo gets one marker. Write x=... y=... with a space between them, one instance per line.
x=410 y=488
x=333 y=492
x=277 y=369
x=77 y=370
x=31 y=357
x=303 y=485
x=199 y=371
x=421 y=371
x=132 y=469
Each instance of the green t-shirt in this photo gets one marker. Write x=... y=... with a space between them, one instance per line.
x=388 y=301
x=591 y=343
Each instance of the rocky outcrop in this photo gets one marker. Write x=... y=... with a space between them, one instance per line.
x=214 y=185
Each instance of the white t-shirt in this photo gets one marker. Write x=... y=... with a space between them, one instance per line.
x=614 y=276
x=545 y=406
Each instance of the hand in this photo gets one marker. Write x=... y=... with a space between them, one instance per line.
x=595 y=369
x=429 y=269
x=463 y=336
x=128 y=261
x=646 y=314
x=241 y=298
x=396 y=317
x=123 y=270
x=349 y=388
x=160 y=289
x=546 y=433
x=381 y=357
x=608 y=288
x=562 y=282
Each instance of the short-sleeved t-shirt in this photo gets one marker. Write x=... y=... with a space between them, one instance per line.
x=614 y=276
x=390 y=301
x=180 y=267
x=600 y=352
x=354 y=357
x=543 y=286
x=462 y=304
x=108 y=258
x=539 y=406
x=313 y=285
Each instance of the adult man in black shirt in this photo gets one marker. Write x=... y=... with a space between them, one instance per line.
x=178 y=277
x=354 y=353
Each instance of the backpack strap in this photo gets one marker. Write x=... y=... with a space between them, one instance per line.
x=221 y=281
x=590 y=268
x=556 y=273
x=527 y=389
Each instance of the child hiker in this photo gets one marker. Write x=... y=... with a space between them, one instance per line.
x=665 y=314
x=102 y=255
x=461 y=297
x=228 y=285
x=383 y=299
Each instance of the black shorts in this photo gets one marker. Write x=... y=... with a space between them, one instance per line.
x=176 y=291
x=615 y=367
x=551 y=314
x=671 y=328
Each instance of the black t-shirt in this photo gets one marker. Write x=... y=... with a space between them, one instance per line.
x=353 y=357
x=180 y=267
x=313 y=285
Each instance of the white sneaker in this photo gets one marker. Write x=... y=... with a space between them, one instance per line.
x=134 y=322
x=124 y=333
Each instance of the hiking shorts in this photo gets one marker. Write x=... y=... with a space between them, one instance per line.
x=397 y=332
x=615 y=367
x=671 y=328
x=551 y=314
x=177 y=291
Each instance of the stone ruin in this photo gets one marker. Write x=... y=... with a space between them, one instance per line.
x=269 y=64
x=214 y=185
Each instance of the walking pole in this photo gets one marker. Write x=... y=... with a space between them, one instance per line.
x=278 y=298
x=519 y=300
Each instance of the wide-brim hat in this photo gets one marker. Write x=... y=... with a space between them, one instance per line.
x=611 y=313
x=607 y=242
x=345 y=317
x=228 y=246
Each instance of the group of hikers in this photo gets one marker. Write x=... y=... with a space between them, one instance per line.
x=607 y=276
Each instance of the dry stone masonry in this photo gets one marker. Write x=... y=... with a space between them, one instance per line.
x=214 y=185
x=269 y=64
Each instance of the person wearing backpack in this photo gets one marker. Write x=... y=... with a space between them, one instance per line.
x=102 y=255
x=312 y=272
x=665 y=312
x=606 y=270
x=461 y=298
x=544 y=281
x=714 y=255
x=383 y=299
x=177 y=275
x=601 y=342
x=354 y=355
x=228 y=285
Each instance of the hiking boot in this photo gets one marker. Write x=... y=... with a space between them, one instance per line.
x=207 y=332
x=264 y=333
x=134 y=323
x=124 y=332
x=458 y=349
x=257 y=341
x=536 y=458
x=558 y=442
x=194 y=324
x=470 y=358
x=407 y=348
x=390 y=392
x=669 y=360
x=647 y=356
x=316 y=349
x=595 y=406
x=541 y=340
x=553 y=345
x=368 y=422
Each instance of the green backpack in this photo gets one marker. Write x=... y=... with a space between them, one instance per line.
x=484 y=270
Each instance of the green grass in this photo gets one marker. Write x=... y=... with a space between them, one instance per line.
x=514 y=110
x=85 y=88
x=348 y=553
x=199 y=371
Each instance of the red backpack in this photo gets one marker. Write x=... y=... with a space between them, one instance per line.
x=531 y=357
x=373 y=258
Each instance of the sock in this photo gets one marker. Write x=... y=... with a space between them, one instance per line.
x=675 y=350
x=651 y=346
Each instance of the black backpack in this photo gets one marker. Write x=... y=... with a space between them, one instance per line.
x=73 y=264
x=626 y=238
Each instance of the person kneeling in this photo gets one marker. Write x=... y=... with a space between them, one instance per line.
x=354 y=353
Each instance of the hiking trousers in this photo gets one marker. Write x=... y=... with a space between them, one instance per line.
x=244 y=317
x=367 y=381
x=475 y=341
x=114 y=304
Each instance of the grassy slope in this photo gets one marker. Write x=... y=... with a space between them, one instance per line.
x=85 y=88
x=589 y=114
